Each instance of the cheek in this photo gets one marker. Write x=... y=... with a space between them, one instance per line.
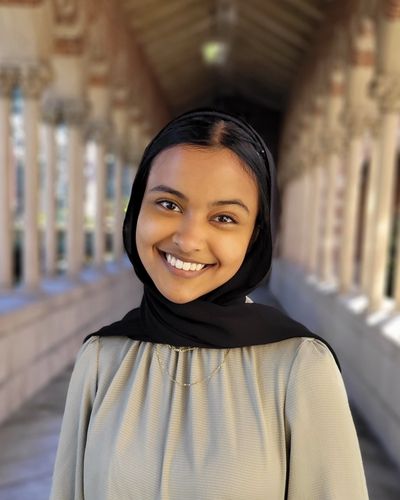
x=232 y=251
x=148 y=230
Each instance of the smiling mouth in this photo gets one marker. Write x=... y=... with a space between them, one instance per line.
x=189 y=268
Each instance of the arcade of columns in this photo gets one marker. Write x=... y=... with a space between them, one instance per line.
x=345 y=118
x=77 y=65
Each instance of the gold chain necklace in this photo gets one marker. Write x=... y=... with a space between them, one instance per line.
x=185 y=349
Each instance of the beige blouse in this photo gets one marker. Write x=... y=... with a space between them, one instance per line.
x=273 y=423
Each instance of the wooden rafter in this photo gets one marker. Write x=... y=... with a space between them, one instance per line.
x=268 y=39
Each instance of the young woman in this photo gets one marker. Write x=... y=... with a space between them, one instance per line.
x=199 y=393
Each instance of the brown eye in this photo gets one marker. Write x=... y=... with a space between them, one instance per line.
x=169 y=205
x=225 y=219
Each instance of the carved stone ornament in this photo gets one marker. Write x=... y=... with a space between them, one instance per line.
x=65 y=11
x=99 y=131
x=8 y=79
x=69 y=46
x=386 y=89
x=333 y=142
x=120 y=96
x=71 y=112
x=316 y=156
x=32 y=79
x=356 y=121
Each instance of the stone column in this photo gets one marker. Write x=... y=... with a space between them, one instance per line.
x=32 y=81
x=298 y=219
x=7 y=80
x=100 y=181
x=73 y=115
x=387 y=90
x=355 y=131
x=328 y=240
x=314 y=197
x=317 y=203
x=368 y=242
x=50 y=154
x=285 y=225
x=118 y=209
x=356 y=117
x=120 y=123
x=333 y=147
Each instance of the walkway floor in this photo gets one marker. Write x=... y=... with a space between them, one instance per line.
x=28 y=443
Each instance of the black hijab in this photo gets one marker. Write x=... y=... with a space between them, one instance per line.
x=221 y=318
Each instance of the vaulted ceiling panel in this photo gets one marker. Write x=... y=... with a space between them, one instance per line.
x=198 y=47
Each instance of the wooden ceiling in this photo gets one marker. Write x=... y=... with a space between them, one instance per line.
x=266 y=40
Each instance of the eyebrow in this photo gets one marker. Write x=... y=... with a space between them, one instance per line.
x=166 y=189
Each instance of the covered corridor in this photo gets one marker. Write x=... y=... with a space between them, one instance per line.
x=85 y=84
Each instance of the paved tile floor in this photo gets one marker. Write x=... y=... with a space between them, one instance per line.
x=28 y=443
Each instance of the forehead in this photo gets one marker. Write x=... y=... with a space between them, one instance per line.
x=202 y=168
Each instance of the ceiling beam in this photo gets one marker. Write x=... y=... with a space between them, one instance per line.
x=162 y=12
x=284 y=34
x=175 y=63
x=171 y=77
x=172 y=43
x=252 y=46
x=264 y=72
x=257 y=87
x=282 y=14
x=269 y=40
x=307 y=9
x=184 y=22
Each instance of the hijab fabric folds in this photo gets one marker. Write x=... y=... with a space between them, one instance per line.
x=220 y=319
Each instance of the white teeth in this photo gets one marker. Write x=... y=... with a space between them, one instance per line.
x=186 y=266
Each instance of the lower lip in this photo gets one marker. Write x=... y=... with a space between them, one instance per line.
x=181 y=272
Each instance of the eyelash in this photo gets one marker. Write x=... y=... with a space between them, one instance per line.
x=168 y=202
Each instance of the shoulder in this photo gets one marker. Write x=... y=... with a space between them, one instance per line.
x=294 y=359
x=314 y=376
x=313 y=355
x=110 y=352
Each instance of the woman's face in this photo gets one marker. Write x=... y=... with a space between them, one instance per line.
x=196 y=220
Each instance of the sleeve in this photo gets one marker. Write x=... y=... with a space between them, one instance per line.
x=324 y=458
x=67 y=483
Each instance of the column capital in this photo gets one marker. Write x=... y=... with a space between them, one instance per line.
x=333 y=141
x=8 y=78
x=74 y=111
x=356 y=120
x=68 y=111
x=33 y=78
x=386 y=90
x=98 y=131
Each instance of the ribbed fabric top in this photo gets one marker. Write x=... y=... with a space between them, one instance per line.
x=273 y=423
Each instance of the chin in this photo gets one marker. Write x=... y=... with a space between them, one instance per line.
x=177 y=298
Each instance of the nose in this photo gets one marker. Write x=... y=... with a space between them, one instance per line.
x=189 y=235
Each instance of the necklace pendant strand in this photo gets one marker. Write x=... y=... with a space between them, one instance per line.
x=186 y=384
x=181 y=349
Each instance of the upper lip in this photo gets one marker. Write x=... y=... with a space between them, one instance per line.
x=185 y=259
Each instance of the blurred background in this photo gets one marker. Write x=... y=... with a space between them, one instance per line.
x=85 y=84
